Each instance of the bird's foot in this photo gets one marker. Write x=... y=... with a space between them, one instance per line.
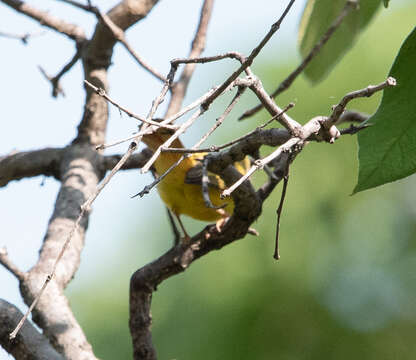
x=219 y=225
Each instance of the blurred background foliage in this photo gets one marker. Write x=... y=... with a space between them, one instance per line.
x=345 y=286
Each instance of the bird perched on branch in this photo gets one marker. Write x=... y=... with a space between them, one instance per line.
x=181 y=189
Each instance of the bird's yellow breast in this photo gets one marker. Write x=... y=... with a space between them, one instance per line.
x=182 y=198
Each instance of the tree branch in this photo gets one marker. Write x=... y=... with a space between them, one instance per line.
x=74 y=32
x=29 y=344
x=30 y=163
x=145 y=280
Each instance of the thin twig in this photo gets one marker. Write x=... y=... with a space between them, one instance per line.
x=56 y=88
x=79 y=5
x=24 y=38
x=352 y=130
x=279 y=210
x=164 y=123
x=103 y=94
x=221 y=119
x=149 y=187
x=366 y=92
x=176 y=234
x=285 y=84
x=120 y=35
x=207 y=59
x=65 y=69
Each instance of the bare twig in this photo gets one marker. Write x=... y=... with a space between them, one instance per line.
x=221 y=119
x=176 y=234
x=79 y=5
x=24 y=38
x=157 y=180
x=56 y=88
x=121 y=37
x=279 y=210
x=285 y=84
x=103 y=93
x=367 y=92
x=163 y=123
x=290 y=124
x=207 y=59
x=135 y=161
x=119 y=34
x=352 y=130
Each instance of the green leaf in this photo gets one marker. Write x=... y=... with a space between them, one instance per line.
x=387 y=150
x=386 y=3
x=317 y=16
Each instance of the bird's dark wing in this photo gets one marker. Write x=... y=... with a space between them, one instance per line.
x=194 y=176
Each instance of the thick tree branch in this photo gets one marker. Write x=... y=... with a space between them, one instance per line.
x=145 y=280
x=30 y=163
x=47 y=162
x=29 y=344
x=74 y=32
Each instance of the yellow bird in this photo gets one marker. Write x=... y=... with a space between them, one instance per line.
x=181 y=189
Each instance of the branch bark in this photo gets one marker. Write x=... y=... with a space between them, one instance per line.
x=29 y=344
x=30 y=163
x=72 y=31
